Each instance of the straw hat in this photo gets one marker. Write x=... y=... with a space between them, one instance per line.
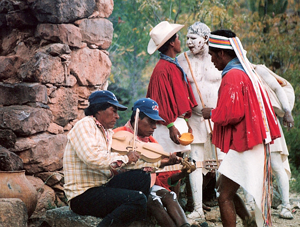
x=160 y=34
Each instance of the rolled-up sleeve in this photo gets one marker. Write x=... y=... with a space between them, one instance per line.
x=92 y=147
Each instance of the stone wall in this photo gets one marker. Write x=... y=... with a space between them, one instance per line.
x=53 y=54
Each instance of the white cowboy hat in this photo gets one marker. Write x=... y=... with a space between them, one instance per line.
x=160 y=34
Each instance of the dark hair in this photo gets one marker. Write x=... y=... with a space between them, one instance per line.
x=165 y=47
x=225 y=33
x=141 y=116
x=91 y=110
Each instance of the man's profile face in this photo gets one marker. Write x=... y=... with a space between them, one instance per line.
x=146 y=127
x=195 y=42
x=108 y=117
x=217 y=60
x=177 y=45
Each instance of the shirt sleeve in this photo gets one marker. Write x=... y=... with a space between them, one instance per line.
x=91 y=146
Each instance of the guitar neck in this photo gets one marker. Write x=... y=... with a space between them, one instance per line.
x=198 y=164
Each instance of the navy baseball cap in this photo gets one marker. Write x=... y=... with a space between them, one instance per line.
x=104 y=96
x=149 y=107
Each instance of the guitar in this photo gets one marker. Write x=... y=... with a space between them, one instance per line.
x=209 y=164
x=124 y=141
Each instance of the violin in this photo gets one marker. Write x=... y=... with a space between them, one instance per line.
x=124 y=141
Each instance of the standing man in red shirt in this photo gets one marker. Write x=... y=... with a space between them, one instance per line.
x=170 y=88
x=244 y=125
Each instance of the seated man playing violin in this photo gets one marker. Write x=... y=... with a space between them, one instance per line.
x=162 y=202
x=91 y=186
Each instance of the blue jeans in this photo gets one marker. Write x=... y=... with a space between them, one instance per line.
x=119 y=202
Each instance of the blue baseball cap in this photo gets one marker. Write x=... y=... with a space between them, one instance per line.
x=149 y=107
x=104 y=96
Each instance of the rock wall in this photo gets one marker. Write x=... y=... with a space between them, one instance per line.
x=53 y=54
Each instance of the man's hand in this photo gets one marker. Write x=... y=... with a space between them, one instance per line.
x=206 y=113
x=171 y=160
x=187 y=166
x=174 y=134
x=288 y=120
x=190 y=130
x=133 y=157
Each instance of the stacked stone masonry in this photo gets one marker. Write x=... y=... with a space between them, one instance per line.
x=53 y=54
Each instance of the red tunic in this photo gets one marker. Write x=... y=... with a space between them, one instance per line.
x=168 y=88
x=238 y=123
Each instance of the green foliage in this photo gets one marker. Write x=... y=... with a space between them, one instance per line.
x=268 y=7
x=295 y=179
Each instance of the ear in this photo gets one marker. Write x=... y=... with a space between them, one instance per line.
x=221 y=54
x=206 y=39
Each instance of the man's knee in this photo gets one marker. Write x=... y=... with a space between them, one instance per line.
x=154 y=205
x=141 y=198
x=169 y=198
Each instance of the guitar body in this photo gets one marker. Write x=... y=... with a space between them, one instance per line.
x=150 y=152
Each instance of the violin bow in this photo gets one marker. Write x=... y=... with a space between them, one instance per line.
x=135 y=128
x=202 y=102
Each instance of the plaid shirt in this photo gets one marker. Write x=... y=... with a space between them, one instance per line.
x=88 y=156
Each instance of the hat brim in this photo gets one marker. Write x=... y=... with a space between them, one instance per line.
x=152 y=46
x=119 y=106
x=154 y=117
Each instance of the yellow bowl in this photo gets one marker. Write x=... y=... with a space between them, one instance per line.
x=186 y=138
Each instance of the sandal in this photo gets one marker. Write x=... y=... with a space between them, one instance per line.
x=286 y=212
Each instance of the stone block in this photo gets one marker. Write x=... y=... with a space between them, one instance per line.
x=7 y=138
x=64 y=217
x=22 y=93
x=98 y=70
x=24 y=120
x=64 y=106
x=20 y=19
x=64 y=33
x=104 y=8
x=45 y=154
x=43 y=68
x=97 y=31
x=13 y=212
x=9 y=66
x=9 y=161
x=58 y=12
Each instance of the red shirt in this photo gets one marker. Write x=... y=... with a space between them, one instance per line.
x=238 y=122
x=168 y=88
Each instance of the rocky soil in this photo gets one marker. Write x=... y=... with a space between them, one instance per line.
x=213 y=216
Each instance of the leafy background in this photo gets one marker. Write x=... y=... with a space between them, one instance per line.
x=268 y=29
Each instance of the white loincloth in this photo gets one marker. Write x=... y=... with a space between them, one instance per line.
x=162 y=135
x=280 y=146
x=247 y=169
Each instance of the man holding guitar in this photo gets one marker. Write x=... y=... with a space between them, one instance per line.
x=162 y=203
x=91 y=186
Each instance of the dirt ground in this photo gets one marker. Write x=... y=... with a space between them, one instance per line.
x=213 y=216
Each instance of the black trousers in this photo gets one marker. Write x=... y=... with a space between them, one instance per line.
x=120 y=202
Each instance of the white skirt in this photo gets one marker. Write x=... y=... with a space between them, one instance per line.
x=247 y=169
x=279 y=145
